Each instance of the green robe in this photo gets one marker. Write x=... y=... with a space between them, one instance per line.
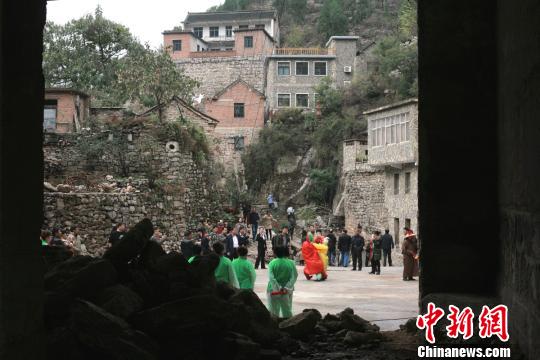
x=245 y=272
x=44 y=243
x=191 y=259
x=282 y=274
x=225 y=272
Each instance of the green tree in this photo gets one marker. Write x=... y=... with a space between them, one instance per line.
x=151 y=77
x=332 y=20
x=85 y=54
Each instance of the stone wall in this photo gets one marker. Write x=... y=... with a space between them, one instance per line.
x=364 y=201
x=169 y=187
x=216 y=73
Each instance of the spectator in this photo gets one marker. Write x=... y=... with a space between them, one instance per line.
x=331 y=247
x=232 y=242
x=387 y=244
x=197 y=252
x=261 y=249
x=357 y=246
x=268 y=223
x=344 y=246
x=186 y=245
x=244 y=270
x=253 y=220
x=376 y=253
x=224 y=271
x=117 y=233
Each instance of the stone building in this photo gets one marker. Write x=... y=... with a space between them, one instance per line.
x=293 y=73
x=393 y=147
x=65 y=110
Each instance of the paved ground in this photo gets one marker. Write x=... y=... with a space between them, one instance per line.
x=373 y=297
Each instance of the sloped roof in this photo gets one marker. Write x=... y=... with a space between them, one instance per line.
x=184 y=104
x=234 y=83
x=65 y=91
x=229 y=15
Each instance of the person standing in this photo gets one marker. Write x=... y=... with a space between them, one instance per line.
x=224 y=271
x=310 y=235
x=186 y=245
x=376 y=253
x=268 y=223
x=291 y=218
x=243 y=238
x=261 y=249
x=232 y=242
x=244 y=270
x=409 y=249
x=282 y=239
x=253 y=220
x=270 y=200
x=357 y=246
x=387 y=244
x=117 y=233
x=282 y=276
x=331 y=247
x=205 y=241
x=344 y=246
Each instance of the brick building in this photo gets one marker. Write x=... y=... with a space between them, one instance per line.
x=239 y=107
x=65 y=110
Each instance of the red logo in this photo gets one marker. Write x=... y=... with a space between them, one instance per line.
x=429 y=320
x=460 y=322
x=494 y=322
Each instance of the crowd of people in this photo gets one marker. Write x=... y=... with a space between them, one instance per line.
x=319 y=250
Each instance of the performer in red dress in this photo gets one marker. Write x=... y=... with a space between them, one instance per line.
x=314 y=266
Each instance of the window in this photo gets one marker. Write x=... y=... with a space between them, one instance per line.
x=243 y=27
x=407 y=182
x=228 y=31
x=214 y=31
x=177 y=45
x=302 y=68
x=238 y=110
x=259 y=26
x=49 y=115
x=396 y=184
x=238 y=143
x=302 y=100
x=284 y=100
x=390 y=130
x=283 y=68
x=397 y=231
x=408 y=223
x=320 y=68
x=248 y=41
x=198 y=47
x=198 y=31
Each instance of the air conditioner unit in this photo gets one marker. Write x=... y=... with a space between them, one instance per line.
x=347 y=69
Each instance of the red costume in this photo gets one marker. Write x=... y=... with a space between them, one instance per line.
x=312 y=261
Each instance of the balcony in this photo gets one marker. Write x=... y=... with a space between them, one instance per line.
x=302 y=51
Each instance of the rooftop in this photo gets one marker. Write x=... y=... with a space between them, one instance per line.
x=229 y=15
x=342 y=37
x=391 y=106
x=66 y=91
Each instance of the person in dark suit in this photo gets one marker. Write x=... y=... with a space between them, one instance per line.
x=387 y=244
x=260 y=239
x=331 y=247
x=232 y=242
x=344 y=246
x=357 y=246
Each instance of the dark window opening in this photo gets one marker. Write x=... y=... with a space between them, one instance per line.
x=49 y=115
x=198 y=31
x=407 y=183
x=228 y=31
x=302 y=68
x=214 y=31
x=177 y=45
x=396 y=184
x=238 y=110
x=238 y=143
x=320 y=68
x=248 y=41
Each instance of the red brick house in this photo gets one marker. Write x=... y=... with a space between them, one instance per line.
x=65 y=110
x=240 y=109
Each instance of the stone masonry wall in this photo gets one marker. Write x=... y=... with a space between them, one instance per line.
x=216 y=73
x=364 y=199
x=183 y=193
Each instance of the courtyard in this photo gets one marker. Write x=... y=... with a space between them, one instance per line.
x=372 y=297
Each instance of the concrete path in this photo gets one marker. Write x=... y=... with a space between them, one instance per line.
x=373 y=297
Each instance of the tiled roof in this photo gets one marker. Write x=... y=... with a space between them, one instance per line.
x=230 y=16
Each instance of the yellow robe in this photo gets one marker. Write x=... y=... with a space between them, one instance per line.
x=323 y=253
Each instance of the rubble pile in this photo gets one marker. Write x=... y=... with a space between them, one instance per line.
x=139 y=302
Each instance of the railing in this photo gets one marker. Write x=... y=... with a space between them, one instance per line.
x=302 y=51
x=211 y=54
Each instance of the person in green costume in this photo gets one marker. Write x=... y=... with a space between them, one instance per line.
x=45 y=237
x=282 y=277
x=197 y=251
x=244 y=270
x=224 y=271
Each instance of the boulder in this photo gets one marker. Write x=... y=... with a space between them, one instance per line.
x=131 y=245
x=120 y=300
x=53 y=255
x=108 y=335
x=65 y=270
x=353 y=322
x=269 y=354
x=239 y=347
x=355 y=338
x=301 y=325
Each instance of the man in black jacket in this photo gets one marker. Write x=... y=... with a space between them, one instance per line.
x=357 y=247
x=387 y=244
x=331 y=247
x=253 y=220
x=344 y=246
